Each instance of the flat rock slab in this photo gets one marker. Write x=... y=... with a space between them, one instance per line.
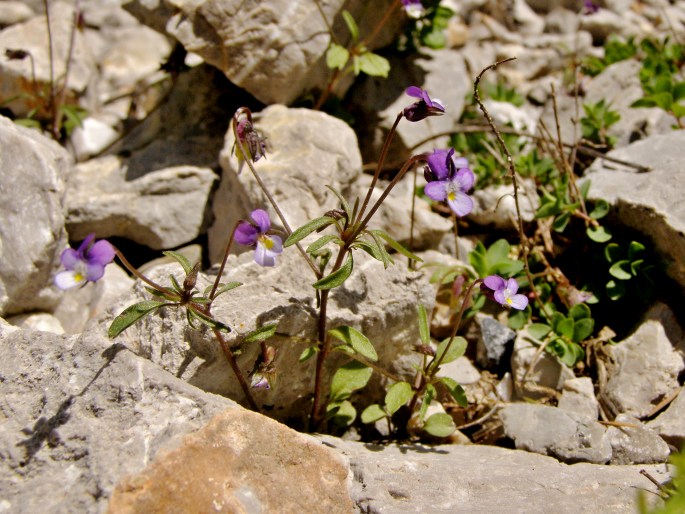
x=486 y=479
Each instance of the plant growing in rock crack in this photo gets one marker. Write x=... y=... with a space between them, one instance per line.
x=52 y=110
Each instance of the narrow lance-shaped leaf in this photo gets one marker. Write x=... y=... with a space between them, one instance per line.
x=356 y=340
x=307 y=229
x=323 y=241
x=337 y=277
x=385 y=256
x=396 y=246
x=223 y=288
x=424 y=329
x=181 y=259
x=343 y=202
x=132 y=314
x=261 y=333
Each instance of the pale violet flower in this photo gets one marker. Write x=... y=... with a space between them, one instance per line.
x=86 y=264
x=254 y=233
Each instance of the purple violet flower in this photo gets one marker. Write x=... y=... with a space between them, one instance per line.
x=449 y=180
x=424 y=107
x=87 y=264
x=255 y=234
x=505 y=292
x=413 y=8
x=589 y=7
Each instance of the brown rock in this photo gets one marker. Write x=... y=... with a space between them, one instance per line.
x=239 y=462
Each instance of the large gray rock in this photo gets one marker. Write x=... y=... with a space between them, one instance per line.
x=411 y=478
x=670 y=424
x=32 y=237
x=101 y=198
x=79 y=413
x=651 y=202
x=380 y=303
x=555 y=432
x=16 y=76
x=306 y=151
x=633 y=443
x=643 y=369
x=273 y=49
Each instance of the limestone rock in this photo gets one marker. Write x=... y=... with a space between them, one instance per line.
x=648 y=202
x=102 y=198
x=306 y=150
x=273 y=48
x=37 y=321
x=412 y=478
x=79 y=413
x=239 y=462
x=643 y=369
x=670 y=424
x=633 y=443
x=578 y=396
x=493 y=341
x=555 y=432
x=32 y=174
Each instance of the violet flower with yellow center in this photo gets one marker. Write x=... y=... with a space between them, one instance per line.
x=504 y=292
x=449 y=180
x=86 y=264
x=254 y=233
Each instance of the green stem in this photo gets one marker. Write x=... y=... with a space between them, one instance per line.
x=140 y=276
x=266 y=192
x=324 y=347
x=223 y=263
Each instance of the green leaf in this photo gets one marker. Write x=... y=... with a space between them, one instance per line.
x=582 y=329
x=634 y=249
x=383 y=253
x=434 y=38
x=372 y=414
x=181 y=259
x=560 y=222
x=337 y=277
x=395 y=245
x=580 y=311
x=356 y=340
x=565 y=328
x=337 y=56
x=308 y=353
x=598 y=234
x=426 y=401
x=351 y=24
x=679 y=91
x=424 y=328
x=132 y=314
x=621 y=270
x=398 y=395
x=308 y=228
x=341 y=413
x=350 y=377
x=456 y=349
x=456 y=391
x=613 y=252
x=615 y=290
x=600 y=209
x=323 y=241
x=223 y=288
x=548 y=209
x=261 y=333
x=343 y=203
x=374 y=65
x=539 y=330
x=518 y=319
x=207 y=320
x=174 y=283
x=440 y=425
